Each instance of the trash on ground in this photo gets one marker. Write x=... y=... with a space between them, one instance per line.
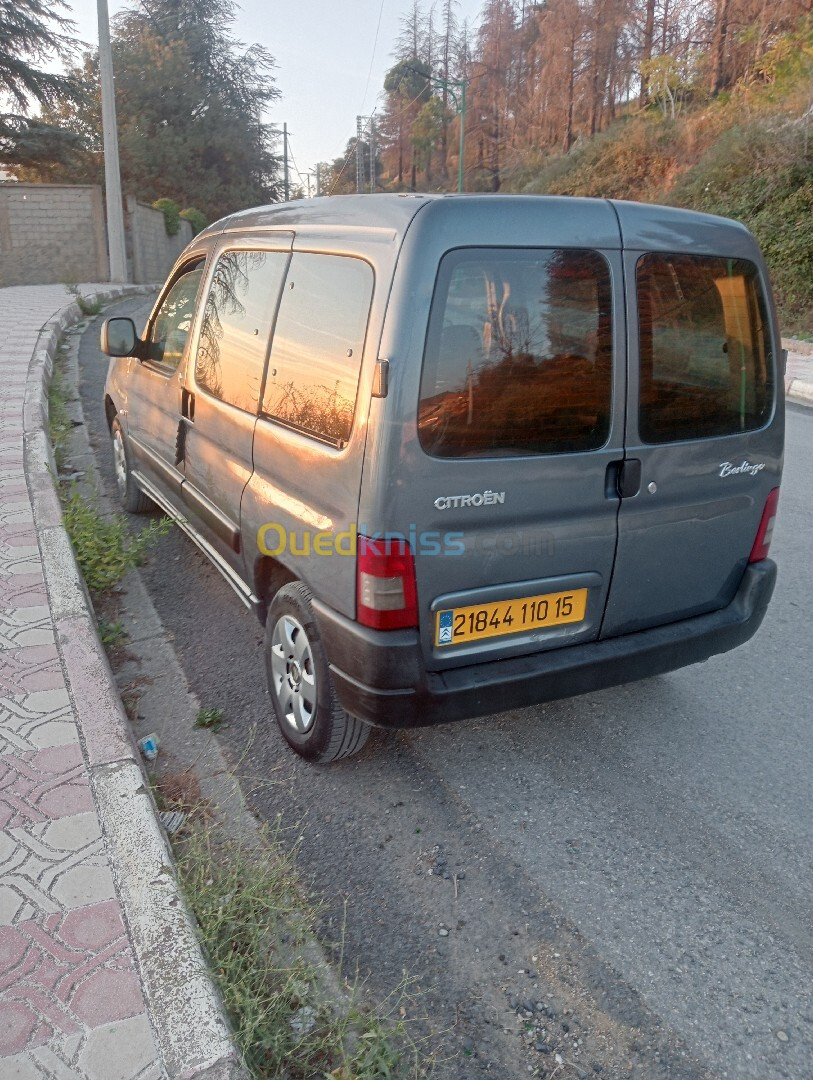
x=149 y=746
x=172 y=820
x=304 y=1020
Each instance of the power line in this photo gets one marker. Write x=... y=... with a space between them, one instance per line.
x=372 y=58
x=293 y=160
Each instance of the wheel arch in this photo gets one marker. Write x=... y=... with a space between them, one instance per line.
x=110 y=411
x=269 y=577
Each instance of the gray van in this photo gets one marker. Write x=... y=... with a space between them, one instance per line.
x=462 y=453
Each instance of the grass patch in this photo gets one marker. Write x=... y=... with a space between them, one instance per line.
x=209 y=718
x=59 y=421
x=104 y=547
x=87 y=307
x=112 y=634
x=254 y=923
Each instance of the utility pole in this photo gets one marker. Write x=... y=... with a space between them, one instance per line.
x=462 y=109
x=372 y=156
x=286 y=188
x=318 y=179
x=112 y=175
x=359 y=155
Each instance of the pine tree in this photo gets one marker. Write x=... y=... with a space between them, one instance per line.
x=33 y=33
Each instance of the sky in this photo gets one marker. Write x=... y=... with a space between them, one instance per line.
x=324 y=49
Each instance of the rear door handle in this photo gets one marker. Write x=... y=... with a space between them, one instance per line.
x=629 y=478
x=188 y=404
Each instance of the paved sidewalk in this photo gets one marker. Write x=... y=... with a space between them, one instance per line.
x=101 y=977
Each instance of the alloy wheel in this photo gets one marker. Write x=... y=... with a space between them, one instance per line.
x=293 y=675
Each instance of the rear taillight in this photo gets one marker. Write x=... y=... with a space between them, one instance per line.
x=765 y=531
x=387 y=595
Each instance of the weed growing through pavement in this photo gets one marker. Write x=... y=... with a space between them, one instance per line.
x=87 y=307
x=104 y=547
x=59 y=421
x=255 y=924
x=112 y=634
x=209 y=718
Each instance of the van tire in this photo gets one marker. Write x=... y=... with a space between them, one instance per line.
x=303 y=697
x=131 y=496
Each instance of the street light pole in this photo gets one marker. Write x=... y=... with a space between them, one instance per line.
x=112 y=175
x=462 y=135
x=285 y=184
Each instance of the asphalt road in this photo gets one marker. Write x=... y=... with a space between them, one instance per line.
x=637 y=861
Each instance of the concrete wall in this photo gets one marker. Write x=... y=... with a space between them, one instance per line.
x=55 y=233
x=151 y=251
x=51 y=233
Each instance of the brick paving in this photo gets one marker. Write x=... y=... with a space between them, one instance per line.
x=71 y=1002
x=80 y=993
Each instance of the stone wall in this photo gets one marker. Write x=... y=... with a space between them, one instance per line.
x=151 y=251
x=51 y=233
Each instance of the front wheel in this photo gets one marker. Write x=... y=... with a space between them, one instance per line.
x=308 y=712
x=132 y=497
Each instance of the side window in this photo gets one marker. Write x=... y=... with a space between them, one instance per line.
x=318 y=341
x=237 y=321
x=518 y=356
x=173 y=321
x=705 y=353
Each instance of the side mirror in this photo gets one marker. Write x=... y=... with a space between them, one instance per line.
x=119 y=337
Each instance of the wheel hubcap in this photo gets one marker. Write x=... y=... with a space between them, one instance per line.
x=119 y=462
x=293 y=675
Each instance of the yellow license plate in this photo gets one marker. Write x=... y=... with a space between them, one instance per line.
x=456 y=625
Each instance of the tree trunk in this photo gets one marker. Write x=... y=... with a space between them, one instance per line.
x=646 y=49
x=718 y=46
x=568 y=140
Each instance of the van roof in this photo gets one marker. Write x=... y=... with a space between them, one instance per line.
x=643 y=226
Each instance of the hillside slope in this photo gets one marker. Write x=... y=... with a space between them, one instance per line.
x=747 y=154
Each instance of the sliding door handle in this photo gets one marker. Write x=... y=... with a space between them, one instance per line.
x=188 y=404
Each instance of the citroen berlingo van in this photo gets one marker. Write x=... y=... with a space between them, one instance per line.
x=462 y=453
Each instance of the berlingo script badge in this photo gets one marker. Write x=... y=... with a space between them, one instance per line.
x=727 y=469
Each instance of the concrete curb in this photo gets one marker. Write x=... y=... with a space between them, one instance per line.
x=803 y=348
x=190 y=1028
x=798 y=390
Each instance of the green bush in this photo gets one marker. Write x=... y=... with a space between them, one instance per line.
x=172 y=214
x=105 y=549
x=762 y=174
x=196 y=218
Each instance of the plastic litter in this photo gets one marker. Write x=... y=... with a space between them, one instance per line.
x=149 y=746
x=172 y=820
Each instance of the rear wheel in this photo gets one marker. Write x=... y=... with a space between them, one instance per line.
x=308 y=712
x=132 y=497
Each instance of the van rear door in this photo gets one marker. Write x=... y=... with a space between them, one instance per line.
x=703 y=435
x=507 y=494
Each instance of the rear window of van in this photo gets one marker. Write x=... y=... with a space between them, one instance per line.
x=706 y=362
x=518 y=356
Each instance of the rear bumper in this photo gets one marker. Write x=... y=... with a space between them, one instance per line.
x=380 y=676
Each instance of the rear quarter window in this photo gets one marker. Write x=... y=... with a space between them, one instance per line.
x=705 y=352
x=318 y=342
x=518 y=356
